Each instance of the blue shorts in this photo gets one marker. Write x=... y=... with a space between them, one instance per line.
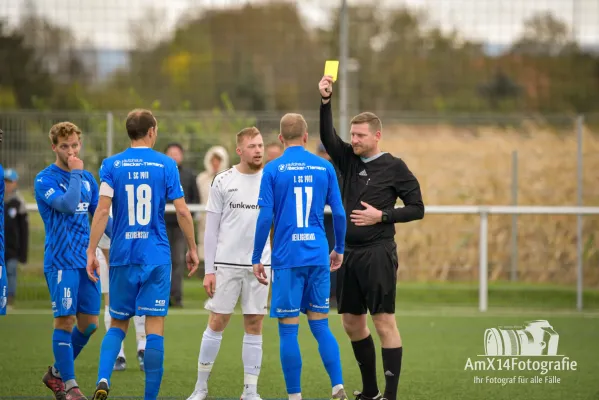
x=3 y=290
x=300 y=289
x=72 y=292
x=139 y=290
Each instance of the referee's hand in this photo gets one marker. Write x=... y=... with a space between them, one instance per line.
x=336 y=260
x=260 y=273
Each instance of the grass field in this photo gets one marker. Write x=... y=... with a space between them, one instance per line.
x=440 y=327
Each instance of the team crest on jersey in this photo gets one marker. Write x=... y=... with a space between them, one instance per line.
x=67 y=302
x=87 y=186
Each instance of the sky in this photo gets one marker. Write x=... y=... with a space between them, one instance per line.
x=106 y=23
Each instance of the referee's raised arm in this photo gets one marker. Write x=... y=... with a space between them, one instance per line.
x=338 y=150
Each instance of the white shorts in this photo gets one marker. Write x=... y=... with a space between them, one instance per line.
x=104 y=280
x=235 y=283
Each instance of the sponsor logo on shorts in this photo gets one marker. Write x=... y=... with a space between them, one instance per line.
x=112 y=310
x=160 y=303
x=282 y=310
x=153 y=309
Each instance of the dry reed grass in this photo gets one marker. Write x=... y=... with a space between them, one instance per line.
x=463 y=166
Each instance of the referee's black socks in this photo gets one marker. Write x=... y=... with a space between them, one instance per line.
x=365 y=354
x=392 y=367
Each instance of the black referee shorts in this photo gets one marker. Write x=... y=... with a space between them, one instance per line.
x=366 y=280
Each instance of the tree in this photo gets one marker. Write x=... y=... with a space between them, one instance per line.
x=21 y=72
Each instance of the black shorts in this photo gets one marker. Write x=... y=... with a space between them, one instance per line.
x=367 y=279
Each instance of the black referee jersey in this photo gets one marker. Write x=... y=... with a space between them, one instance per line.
x=378 y=181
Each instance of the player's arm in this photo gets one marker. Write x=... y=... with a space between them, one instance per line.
x=48 y=190
x=265 y=217
x=339 y=151
x=93 y=206
x=338 y=211
x=407 y=188
x=99 y=223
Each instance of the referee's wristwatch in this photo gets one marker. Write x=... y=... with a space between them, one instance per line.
x=384 y=217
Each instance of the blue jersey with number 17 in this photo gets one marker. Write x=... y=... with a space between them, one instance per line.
x=298 y=185
x=143 y=180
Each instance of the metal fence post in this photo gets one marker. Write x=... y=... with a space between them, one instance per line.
x=579 y=239
x=109 y=133
x=514 y=265
x=483 y=262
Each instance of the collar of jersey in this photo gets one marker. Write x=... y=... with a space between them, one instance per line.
x=295 y=148
x=374 y=157
x=140 y=147
x=55 y=167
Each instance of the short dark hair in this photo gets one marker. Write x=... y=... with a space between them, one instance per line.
x=139 y=122
x=177 y=145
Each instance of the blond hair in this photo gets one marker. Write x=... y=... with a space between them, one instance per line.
x=293 y=126
x=374 y=122
x=249 y=133
x=63 y=130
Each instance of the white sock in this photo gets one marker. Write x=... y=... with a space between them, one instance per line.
x=140 y=330
x=107 y=318
x=295 y=396
x=122 y=351
x=208 y=351
x=141 y=345
x=337 y=388
x=251 y=354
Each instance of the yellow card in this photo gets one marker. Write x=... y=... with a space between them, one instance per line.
x=330 y=68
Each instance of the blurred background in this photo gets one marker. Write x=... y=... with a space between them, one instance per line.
x=487 y=102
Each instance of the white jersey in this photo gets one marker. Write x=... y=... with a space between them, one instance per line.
x=235 y=196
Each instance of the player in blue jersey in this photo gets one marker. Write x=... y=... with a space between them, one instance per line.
x=65 y=195
x=295 y=189
x=3 y=278
x=137 y=184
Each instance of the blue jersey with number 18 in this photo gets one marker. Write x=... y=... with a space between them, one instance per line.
x=142 y=181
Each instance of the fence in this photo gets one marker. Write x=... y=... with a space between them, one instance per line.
x=483 y=246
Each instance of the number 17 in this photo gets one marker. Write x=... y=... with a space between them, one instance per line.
x=302 y=222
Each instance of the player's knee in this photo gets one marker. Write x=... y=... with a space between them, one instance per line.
x=355 y=325
x=386 y=327
x=253 y=324
x=218 y=322
x=89 y=330
x=65 y=323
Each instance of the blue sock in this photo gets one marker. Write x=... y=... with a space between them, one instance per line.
x=328 y=349
x=111 y=345
x=153 y=365
x=291 y=358
x=79 y=341
x=63 y=354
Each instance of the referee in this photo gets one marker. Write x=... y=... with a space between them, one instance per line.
x=372 y=181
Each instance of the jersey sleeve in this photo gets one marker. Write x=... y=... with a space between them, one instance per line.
x=174 y=189
x=46 y=189
x=95 y=192
x=215 y=198
x=266 y=196
x=106 y=174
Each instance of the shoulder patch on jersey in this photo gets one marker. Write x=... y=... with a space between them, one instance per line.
x=221 y=174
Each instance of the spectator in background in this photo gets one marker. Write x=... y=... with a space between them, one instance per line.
x=175 y=234
x=216 y=160
x=328 y=227
x=273 y=150
x=16 y=231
